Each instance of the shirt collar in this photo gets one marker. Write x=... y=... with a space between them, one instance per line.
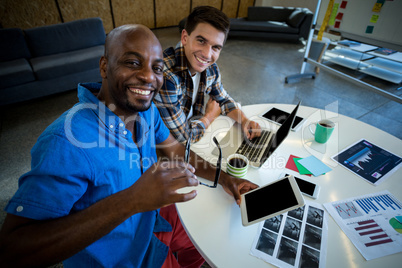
x=181 y=60
x=86 y=94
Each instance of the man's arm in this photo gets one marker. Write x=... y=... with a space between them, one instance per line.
x=212 y=111
x=169 y=101
x=251 y=129
x=27 y=242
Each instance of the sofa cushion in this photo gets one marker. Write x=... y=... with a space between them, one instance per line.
x=296 y=18
x=260 y=26
x=15 y=72
x=64 y=37
x=61 y=64
x=38 y=89
x=13 y=45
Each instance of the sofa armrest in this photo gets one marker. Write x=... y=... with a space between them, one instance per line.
x=269 y=13
x=305 y=26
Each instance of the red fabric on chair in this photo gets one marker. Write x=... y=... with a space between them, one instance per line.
x=178 y=242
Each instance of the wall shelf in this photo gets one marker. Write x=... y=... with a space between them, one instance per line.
x=364 y=59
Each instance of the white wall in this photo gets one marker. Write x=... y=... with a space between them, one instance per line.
x=387 y=30
x=356 y=17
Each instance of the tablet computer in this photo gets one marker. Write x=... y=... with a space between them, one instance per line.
x=277 y=116
x=270 y=200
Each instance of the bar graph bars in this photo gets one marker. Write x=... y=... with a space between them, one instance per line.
x=372 y=233
x=378 y=203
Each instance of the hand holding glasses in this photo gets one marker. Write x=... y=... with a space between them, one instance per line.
x=218 y=165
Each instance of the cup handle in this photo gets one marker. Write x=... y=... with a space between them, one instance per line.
x=309 y=127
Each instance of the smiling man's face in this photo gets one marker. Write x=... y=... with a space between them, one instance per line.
x=202 y=47
x=132 y=71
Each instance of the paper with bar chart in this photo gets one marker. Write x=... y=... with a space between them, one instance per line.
x=372 y=222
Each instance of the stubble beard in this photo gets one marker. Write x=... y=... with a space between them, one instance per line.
x=141 y=106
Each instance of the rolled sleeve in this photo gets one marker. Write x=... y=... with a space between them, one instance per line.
x=50 y=179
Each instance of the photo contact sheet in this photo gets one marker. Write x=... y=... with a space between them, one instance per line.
x=297 y=238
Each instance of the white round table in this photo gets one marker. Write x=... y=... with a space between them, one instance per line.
x=213 y=220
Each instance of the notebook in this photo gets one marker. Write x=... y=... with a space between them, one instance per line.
x=259 y=149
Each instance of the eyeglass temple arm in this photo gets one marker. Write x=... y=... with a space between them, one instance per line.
x=187 y=149
x=218 y=164
x=218 y=167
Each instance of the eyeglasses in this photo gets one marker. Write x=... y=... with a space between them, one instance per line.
x=218 y=164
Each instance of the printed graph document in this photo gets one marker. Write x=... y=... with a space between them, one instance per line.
x=297 y=238
x=368 y=161
x=372 y=222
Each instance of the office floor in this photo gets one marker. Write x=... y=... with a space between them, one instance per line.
x=253 y=71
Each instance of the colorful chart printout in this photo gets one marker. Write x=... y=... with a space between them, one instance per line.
x=369 y=161
x=372 y=222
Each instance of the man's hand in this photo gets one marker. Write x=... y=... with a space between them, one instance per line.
x=251 y=129
x=235 y=186
x=158 y=186
x=212 y=109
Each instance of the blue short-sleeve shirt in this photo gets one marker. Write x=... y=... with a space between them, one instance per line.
x=88 y=154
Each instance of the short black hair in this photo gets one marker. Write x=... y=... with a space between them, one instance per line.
x=210 y=15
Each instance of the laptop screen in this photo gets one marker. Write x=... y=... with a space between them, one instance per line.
x=283 y=131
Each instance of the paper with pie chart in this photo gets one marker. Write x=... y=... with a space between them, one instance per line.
x=372 y=222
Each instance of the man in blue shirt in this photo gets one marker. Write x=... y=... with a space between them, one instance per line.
x=96 y=195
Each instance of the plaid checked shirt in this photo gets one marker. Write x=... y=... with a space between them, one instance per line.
x=175 y=97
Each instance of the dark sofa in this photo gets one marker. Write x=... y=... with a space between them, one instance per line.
x=273 y=22
x=50 y=59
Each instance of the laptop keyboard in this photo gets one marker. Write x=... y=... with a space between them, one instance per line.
x=252 y=148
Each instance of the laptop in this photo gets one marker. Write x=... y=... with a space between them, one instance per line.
x=257 y=150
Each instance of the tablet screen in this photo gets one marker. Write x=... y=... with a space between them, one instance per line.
x=268 y=200
x=305 y=186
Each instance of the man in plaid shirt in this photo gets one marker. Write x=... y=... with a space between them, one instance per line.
x=190 y=73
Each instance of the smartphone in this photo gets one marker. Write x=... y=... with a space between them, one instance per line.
x=270 y=200
x=307 y=188
x=278 y=116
